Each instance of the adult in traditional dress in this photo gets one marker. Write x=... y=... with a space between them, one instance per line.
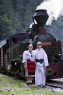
x=29 y=64
x=41 y=64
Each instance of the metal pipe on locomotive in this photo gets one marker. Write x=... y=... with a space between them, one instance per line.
x=16 y=44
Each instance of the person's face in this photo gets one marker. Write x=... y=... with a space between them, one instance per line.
x=30 y=48
x=39 y=46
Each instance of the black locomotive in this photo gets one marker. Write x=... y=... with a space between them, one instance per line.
x=16 y=44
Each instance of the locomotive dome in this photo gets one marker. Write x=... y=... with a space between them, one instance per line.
x=44 y=37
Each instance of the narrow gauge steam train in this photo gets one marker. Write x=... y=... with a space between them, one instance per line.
x=11 y=52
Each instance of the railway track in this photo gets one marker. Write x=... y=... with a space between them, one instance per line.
x=55 y=84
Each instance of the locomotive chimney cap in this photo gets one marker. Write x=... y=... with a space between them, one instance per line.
x=41 y=16
x=42 y=10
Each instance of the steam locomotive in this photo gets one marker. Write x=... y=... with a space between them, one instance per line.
x=11 y=52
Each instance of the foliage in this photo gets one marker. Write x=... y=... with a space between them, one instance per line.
x=15 y=16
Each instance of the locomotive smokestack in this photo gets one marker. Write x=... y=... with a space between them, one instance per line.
x=54 y=9
x=40 y=16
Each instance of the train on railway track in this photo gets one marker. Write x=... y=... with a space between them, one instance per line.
x=12 y=49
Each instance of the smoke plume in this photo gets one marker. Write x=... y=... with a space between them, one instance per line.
x=54 y=9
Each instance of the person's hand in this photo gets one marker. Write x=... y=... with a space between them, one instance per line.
x=45 y=68
x=25 y=65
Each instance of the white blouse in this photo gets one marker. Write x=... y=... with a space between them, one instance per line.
x=28 y=55
x=41 y=54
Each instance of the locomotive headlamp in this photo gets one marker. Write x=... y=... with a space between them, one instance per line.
x=59 y=55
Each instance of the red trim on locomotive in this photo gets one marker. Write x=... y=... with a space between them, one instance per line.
x=46 y=43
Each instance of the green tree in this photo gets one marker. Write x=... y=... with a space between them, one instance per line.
x=7 y=23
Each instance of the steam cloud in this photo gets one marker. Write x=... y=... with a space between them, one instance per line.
x=54 y=9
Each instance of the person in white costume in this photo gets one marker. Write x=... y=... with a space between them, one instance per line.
x=28 y=58
x=41 y=64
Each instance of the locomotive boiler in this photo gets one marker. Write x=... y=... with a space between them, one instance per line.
x=16 y=44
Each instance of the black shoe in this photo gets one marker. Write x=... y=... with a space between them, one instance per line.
x=43 y=86
x=29 y=84
x=40 y=86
